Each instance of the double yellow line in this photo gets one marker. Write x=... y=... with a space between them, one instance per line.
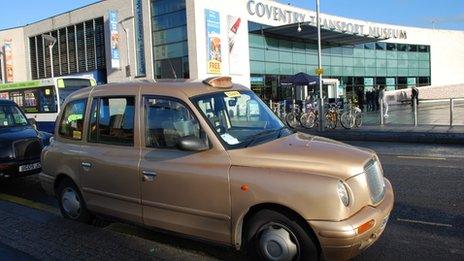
x=29 y=203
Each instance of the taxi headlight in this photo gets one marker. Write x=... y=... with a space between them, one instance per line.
x=343 y=193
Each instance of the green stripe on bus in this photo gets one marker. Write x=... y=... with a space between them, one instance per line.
x=19 y=85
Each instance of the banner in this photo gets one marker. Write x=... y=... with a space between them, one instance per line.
x=113 y=22
x=139 y=38
x=235 y=40
x=8 y=61
x=213 y=42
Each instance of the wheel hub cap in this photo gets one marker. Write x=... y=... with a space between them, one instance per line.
x=276 y=244
x=71 y=203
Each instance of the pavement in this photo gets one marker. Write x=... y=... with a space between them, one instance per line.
x=433 y=127
x=427 y=222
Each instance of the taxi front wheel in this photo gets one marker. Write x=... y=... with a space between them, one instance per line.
x=272 y=235
x=71 y=202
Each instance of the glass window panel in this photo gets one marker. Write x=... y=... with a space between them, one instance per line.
x=257 y=54
x=160 y=7
x=336 y=50
x=402 y=47
x=347 y=71
x=171 y=50
x=271 y=43
x=368 y=53
x=381 y=54
x=299 y=58
x=311 y=59
x=423 y=48
x=285 y=45
x=424 y=56
x=392 y=71
x=336 y=61
x=381 y=63
x=325 y=60
x=311 y=69
x=413 y=72
x=358 y=52
x=257 y=67
x=413 y=56
x=358 y=62
x=272 y=56
x=72 y=121
x=402 y=55
x=424 y=64
x=312 y=48
x=272 y=68
x=381 y=71
x=285 y=57
x=171 y=20
x=370 y=71
x=286 y=69
x=297 y=68
x=391 y=47
x=170 y=36
x=299 y=47
x=370 y=63
x=256 y=40
x=348 y=61
x=413 y=64
x=369 y=46
x=402 y=63
x=412 y=48
x=358 y=71
x=380 y=46
x=392 y=63
x=348 y=50
x=391 y=55
x=402 y=72
x=424 y=72
x=336 y=70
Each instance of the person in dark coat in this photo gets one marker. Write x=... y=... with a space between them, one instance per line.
x=414 y=96
x=360 y=94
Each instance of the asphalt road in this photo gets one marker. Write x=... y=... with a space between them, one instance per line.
x=427 y=222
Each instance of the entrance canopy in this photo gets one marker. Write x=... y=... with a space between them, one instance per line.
x=301 y=79
x=309 y=32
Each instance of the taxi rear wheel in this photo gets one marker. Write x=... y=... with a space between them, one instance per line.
x=272 y=235
x=71 y=202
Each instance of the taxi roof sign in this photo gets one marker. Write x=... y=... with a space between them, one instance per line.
x=219 y=82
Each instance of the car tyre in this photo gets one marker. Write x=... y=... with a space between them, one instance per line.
x=71 y=203
x=271 y=235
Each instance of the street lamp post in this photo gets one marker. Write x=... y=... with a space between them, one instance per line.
x=319 y=65
x=126 y=30
x=51 y=41
x=2 y=66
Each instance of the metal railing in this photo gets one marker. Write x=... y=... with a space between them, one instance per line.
x=415 y=105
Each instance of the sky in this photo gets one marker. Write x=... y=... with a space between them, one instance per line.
x=447 y=14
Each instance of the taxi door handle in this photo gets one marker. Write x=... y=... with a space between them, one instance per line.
x=148 y=175
x=86 y=165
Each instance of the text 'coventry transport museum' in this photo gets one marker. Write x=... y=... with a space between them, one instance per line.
x=258 y=42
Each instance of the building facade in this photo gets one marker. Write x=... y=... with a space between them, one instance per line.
x=258 y=42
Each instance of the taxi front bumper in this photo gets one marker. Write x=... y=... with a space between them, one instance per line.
x=340 y=240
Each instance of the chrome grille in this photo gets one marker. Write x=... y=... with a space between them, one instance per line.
x=375 y=181
x=27 y=149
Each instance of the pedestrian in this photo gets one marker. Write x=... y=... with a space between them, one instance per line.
x=369 y=100
x=383 y=101
x=415 y=96
x=376 y=98
x=360 y=94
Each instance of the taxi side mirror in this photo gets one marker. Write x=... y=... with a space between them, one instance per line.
x=192 y=143
x=32 y=122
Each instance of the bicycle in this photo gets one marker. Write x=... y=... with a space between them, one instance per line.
x=293 y=117
x=309 y=119
x=351 y=117
x=332 y=115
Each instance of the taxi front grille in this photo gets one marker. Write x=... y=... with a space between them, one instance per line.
x=27 y=149
x=375 y=180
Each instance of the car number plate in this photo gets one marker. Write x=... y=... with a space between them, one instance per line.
x=29 y=167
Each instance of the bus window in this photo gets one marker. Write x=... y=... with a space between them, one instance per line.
x=47 y=99
x=30 y=101
x=17 y=97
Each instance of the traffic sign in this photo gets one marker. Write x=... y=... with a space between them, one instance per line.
x=319 y=71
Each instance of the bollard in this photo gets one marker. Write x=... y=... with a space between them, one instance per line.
x=415 y=111
x=381 y=113
x=451 y=112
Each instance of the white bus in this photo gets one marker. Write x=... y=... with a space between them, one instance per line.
x=42 y=99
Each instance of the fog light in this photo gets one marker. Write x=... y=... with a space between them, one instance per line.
x=366 y=226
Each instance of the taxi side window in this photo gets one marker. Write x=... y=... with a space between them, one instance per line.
x=166 y=121
x=112 y=121
x=72 y=121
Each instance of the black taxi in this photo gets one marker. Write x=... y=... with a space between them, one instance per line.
x=20 y=142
